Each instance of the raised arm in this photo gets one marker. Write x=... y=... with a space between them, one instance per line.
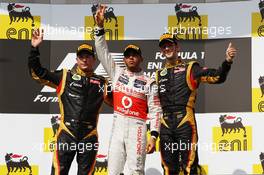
x=100 y=43
x=214 y=76
x=37 y=72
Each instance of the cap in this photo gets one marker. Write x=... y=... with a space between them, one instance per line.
x=167 y=37
x=132 y=47
x=85 y=48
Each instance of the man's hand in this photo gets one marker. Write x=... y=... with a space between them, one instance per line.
x=151 y=145
x=99 y=16
x=37 y=37
x=230 y=52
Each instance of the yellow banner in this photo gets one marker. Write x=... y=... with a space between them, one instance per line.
x=18 y=29
x=257 y=100
x=49 y=140
x=114 y=30
x=257 y=25
x=235 y=138
x=257 y=169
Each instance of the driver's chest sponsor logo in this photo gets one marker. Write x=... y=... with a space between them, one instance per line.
x=130 y=106
x=188 y=23
x=16 y=164
x=19 y=22
x=113 y=24
x=258 y=96
x=258 y=20
x=232 y=135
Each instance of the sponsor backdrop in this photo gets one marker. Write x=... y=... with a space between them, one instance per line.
x=229 y=116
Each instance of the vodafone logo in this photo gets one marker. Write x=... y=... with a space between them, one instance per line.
x=126 y=102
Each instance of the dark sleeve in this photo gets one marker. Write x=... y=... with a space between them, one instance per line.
x=209 y=75
x=41 y=74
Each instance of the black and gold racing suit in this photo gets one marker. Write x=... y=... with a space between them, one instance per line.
x=80 y=98
x=177 y=92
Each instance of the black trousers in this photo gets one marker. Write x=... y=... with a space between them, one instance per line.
x=178 y=143
x=66 y=148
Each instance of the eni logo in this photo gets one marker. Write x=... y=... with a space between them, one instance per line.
x=232 y=135
x=113 y=24
x=19 y=22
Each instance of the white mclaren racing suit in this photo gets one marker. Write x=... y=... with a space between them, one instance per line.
x=135 y=99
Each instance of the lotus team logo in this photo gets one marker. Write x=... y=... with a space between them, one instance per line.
x=183 y=16
x=114 y=25
x=232 y=135
x=18 y=163
x=16 y=16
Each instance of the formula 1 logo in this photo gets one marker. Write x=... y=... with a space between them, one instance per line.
x=127 y=102
x=16 y=16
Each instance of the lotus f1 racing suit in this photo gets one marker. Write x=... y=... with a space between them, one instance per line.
x=134 y=97
x=178 y=133
x=80 y=99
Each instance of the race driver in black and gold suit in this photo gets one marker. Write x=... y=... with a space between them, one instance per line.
x=81 y=94
x=177 y=83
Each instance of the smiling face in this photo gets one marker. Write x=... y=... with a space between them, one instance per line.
x=85 y=62
x=169 y=50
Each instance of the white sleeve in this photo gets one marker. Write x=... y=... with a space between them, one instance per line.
x=104 y=56
x=154 y=107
